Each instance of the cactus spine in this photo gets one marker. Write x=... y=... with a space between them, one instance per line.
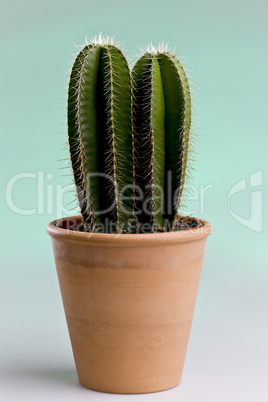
x=162 y=121
x=100 y=135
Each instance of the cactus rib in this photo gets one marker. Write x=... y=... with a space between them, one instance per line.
x=82 y=128
x=178 y=124
x=117 y=94
x=149 y=133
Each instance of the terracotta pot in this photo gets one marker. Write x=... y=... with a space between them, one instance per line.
x=129 y=301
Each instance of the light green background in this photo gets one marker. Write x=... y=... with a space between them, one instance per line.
x=224 y=44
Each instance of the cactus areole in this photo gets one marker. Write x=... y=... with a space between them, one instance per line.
x=129 y=136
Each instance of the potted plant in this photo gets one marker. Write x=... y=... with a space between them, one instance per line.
x=129 y=266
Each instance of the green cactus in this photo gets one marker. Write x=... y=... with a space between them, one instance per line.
x=128 y=138
x=100 y=135
x=162 y=122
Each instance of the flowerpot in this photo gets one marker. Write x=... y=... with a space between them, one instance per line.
x=129 y=301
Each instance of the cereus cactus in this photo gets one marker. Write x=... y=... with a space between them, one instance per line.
x=100 y=135
x=128 y=138
x=161 y=127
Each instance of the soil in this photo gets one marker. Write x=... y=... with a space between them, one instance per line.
x=183 y=223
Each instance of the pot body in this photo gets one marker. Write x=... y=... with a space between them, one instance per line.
x=129 y=301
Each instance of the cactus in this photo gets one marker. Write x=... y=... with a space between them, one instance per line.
x=161 y=126
x=128 y=138
x=100 y=135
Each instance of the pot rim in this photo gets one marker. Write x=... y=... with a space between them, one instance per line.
x=130 y=239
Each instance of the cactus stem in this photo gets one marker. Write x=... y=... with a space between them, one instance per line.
x=152 y=140
x=111 y=112
x=81 y=156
